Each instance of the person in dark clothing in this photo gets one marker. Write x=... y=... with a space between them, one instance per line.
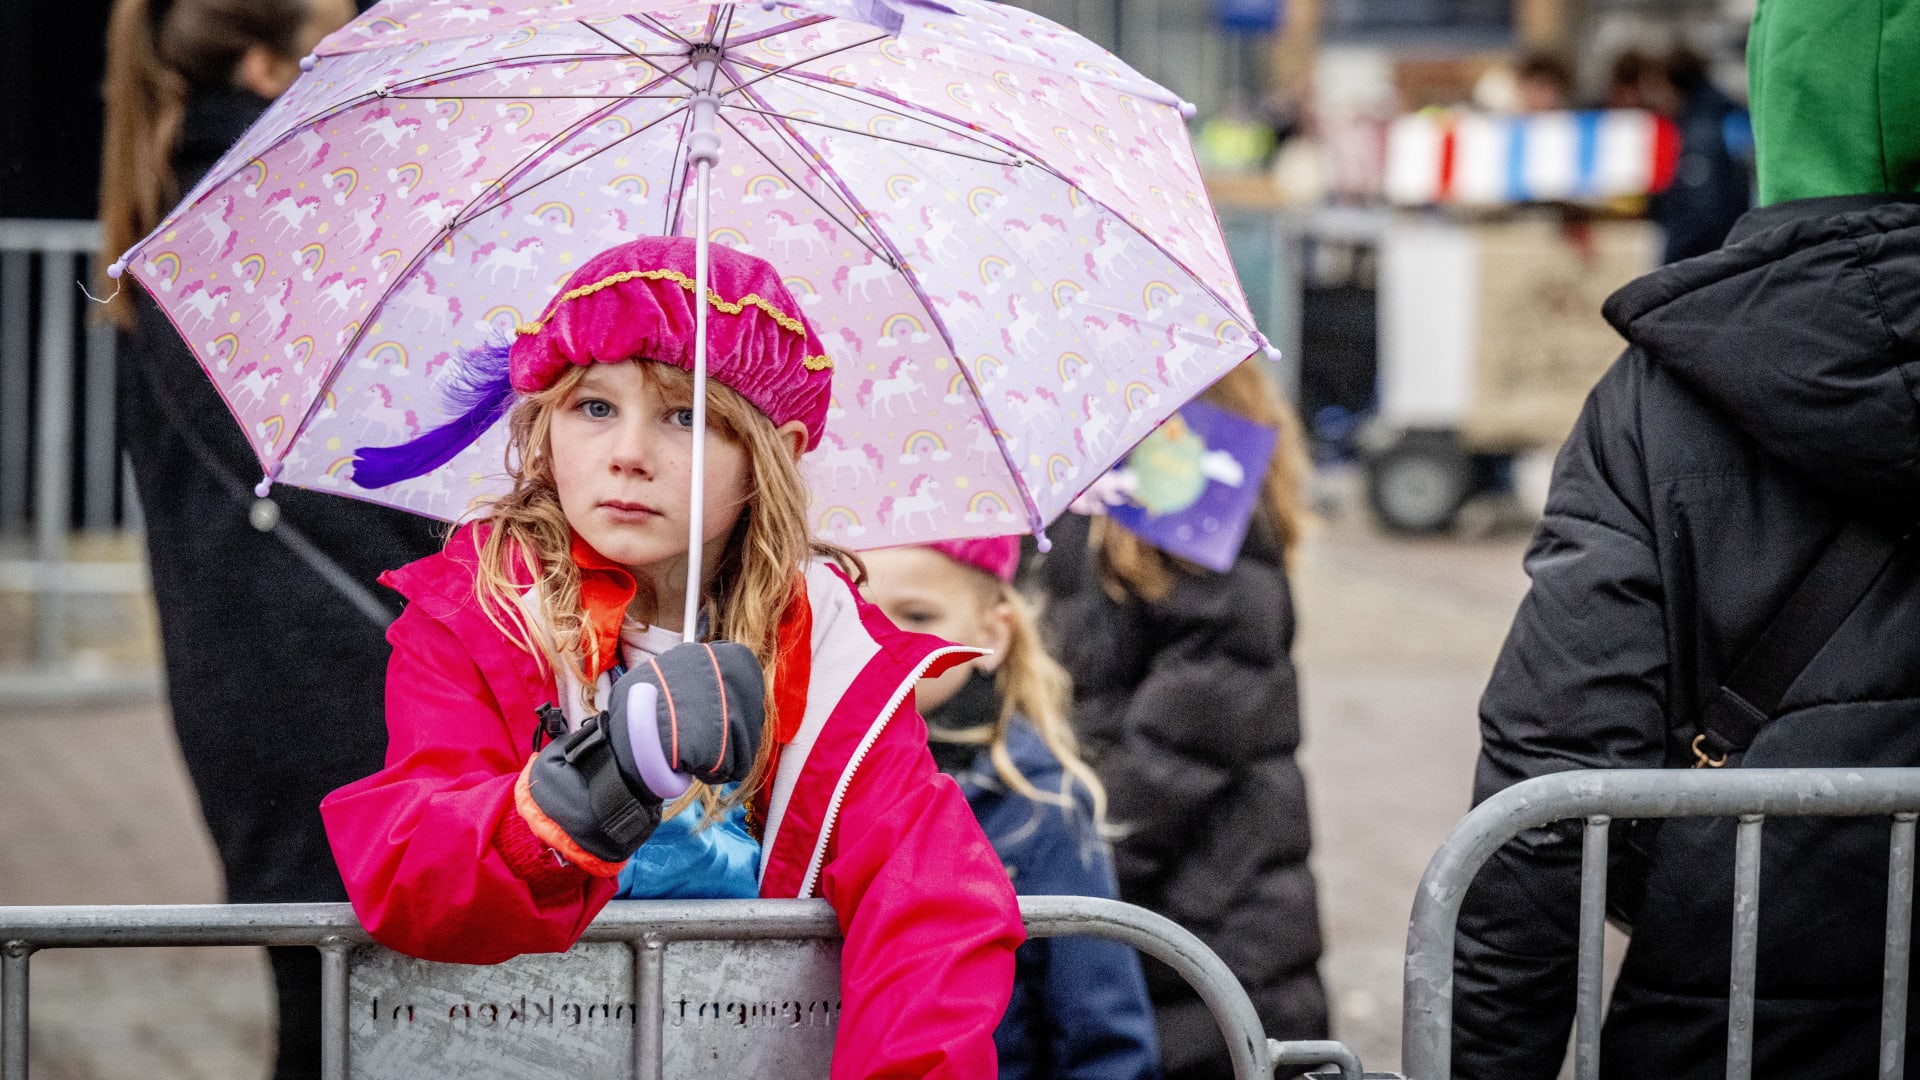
x=1713 y=179
x=1186 y=701
x=275 y=677
x=999 y=726
x=1764 y=402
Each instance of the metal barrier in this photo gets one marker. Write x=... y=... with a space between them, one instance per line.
x=641 y=939
x=1601 y=796
x=56 y=416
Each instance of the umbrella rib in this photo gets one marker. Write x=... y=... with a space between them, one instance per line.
x=339 y=362
x=643 y=56
x=788 y=142
x=783 y=28
x=926 y=303
x=542 y=97
x=1142 y=234
x=772 y=72
x=540 y=154
x=648 y=21
x=548 y=146
x=1013 y=163
x=814 y=83
x=764 y=156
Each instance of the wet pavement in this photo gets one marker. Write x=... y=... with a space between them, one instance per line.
x=1397 y=638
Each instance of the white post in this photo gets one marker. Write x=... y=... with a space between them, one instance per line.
x=703 y=150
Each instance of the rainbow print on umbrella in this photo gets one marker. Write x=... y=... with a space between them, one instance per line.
x=990 y=506
x=923 y=446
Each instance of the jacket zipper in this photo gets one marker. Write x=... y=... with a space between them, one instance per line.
x=899 y=698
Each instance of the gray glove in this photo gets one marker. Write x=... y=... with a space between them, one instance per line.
x=695 y=712
x=706 y=705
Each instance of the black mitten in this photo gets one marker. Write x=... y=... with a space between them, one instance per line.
x=705 y=704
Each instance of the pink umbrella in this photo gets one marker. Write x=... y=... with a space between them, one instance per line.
x=998 y=229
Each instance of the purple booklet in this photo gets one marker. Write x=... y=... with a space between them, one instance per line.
x=1195 y=482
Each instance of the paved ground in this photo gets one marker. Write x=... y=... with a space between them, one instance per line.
x=1397 y=639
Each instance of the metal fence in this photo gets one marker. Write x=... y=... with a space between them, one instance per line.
x=644 y=934
x=60 y=465
x=1600 y=797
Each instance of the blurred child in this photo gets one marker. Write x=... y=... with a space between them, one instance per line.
x=999 y=727
x=544 y=715
x=1186 y=699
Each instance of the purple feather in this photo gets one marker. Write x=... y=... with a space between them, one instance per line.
x=479 y=388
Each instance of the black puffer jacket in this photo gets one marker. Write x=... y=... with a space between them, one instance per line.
x=1768 y=394
x=1189 y=711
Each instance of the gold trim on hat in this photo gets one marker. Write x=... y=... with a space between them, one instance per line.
x=786 y=321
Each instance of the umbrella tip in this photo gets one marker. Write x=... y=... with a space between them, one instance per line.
x=1273 y=352
x=1187 y=110
x=769 y=5
x=1041 y=541
x=263 y=488
x=307 y=62
x=118 y=267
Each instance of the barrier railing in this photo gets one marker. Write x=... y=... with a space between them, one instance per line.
x=56 y=417
x=1600 y=797
x=749 y=1008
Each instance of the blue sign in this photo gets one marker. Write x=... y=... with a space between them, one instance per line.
x=1248 y=16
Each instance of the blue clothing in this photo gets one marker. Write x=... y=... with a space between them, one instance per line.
x=681 y=861
x=1079 y=1007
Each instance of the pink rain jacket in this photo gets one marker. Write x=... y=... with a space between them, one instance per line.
x=440 y=865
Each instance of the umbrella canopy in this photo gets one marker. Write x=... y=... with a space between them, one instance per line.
x=997 y=228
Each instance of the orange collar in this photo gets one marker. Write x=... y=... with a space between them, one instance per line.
x=606 y=591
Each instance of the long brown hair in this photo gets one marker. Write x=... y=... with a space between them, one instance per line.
x=1033 y=684
x=157 y=55
x=1131 y=566
x=758 y=572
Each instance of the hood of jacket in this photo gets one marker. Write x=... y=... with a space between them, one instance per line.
x=1805 y=329
x=1834 y=89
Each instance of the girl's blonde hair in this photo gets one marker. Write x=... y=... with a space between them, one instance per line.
x=1030 y=683
x=151 y=71
x=760 y=565
x=1129 y=566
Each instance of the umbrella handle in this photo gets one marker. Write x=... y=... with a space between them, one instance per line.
x=703 y=150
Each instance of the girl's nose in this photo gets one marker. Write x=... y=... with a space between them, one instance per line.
x=633 y=449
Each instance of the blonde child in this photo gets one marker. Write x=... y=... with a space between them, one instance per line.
x=543 y=716
x=999 y=726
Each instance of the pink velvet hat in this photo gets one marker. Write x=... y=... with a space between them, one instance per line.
x=996 y=555
x=635 y=301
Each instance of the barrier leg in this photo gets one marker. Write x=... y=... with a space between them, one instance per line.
x=14 y=956
x=649 y=996
x=1746 y=935
x=333 y=1009
x=1893 y=993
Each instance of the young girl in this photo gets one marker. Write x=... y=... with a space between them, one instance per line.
x=482 y=839
x=999 y=726
x=1186 y=700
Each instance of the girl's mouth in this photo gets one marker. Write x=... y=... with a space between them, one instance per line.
x=630 y=513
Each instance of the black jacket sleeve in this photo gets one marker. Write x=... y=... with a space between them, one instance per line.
x=1582 y=682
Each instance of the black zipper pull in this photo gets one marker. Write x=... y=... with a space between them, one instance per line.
x=553 y=724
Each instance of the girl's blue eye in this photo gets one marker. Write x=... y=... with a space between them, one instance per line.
x=683 y=417
x=596 y=409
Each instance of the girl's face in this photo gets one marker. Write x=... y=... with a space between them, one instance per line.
x=621 y=447
x=924 y=591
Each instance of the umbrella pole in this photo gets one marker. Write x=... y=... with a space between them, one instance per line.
x=703 y=150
